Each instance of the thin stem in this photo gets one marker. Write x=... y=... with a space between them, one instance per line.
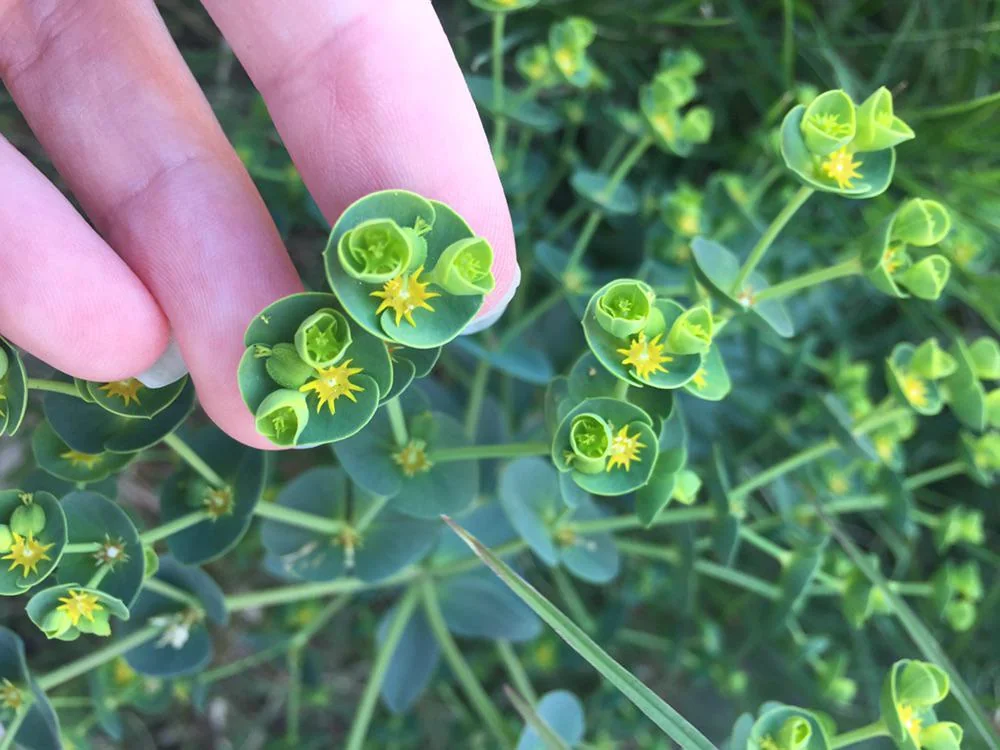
x=174 y=593
x=465 y=564
x=954 y=109
x=791 y=463
x=460 y=667
x=366 y=706
x=668 y=517
x=765 y=545
x=371 y=513
x=529 y=318
x=757 y=254
x=302 y=591
x=867 y=732
x=480 y=452
x=241 y=666
x=805 y=281
x=293 y=707
x=173 y=527
x=96 y=658
x=586 y=234
x=95 y=580
x=626 y=165
x=397 y=421
x=500 y=134
x=621 y=389
x=193 y=460
x=788 y=43
x=518 y=675
x=571 y=598
x=52 y=386
x=10 y=731
x=82 y=548
x=299 y=518
x=476 y=394
x=922 y=479
x=912 y=588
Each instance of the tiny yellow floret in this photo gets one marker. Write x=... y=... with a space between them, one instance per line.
x=700 y=379
x=910 y=722
x=403 y=295
x=915 y=390
x=79 y=604
x=412 y=458
x=332 y=383
x=645 y=357
x=76 y=458
x=841 y=168
x=624 y=450
x=27 y=552
x=126 y=390
x=10 y=695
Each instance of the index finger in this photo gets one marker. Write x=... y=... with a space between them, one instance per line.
x=369 y=96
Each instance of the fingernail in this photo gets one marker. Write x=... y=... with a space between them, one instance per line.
x=485 y=321
x=167 y=369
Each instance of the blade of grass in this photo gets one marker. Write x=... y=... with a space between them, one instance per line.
x=659 y=711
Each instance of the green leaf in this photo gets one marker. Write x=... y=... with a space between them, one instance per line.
x=655 y=708
x=557 y=722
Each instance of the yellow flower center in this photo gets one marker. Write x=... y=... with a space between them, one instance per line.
x=689 y=225
x=76 y=458
x=126 y=390
x=624 y=450
x=332 y=383
x=838 y=484
x=663 y=125
x=567 y=60
x=915 y=390
x=412 y=458
x=831 y=125
x=27 y=552
x=645 y=357
x=219 y=502
x=404 y=295
x=122 y=673
x=841 y=168
x=911 y=723
x=884 y=447
x=767 y=743
x=79 y=604
x=10 y=695
x=700 y=379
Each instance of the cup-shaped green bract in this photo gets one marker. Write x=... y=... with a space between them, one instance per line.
x=30 y=558
x=909 y=693
x=534 y=63
x=13 y=389
x=926 y=279
x=39 y=729
x=568 y=42
x=913 y=388
x=692 y=332
x=843 y=171
x=787 y=728
x=829 y=122
x=682 y=210
x=410 y=308
x=376 y=250
x=464 y=267
x=984 y=354
x=981 y=455
x=684 y=61
x=590 y=441
x=322 y=338
x=503 y=6
x=920 y=222
x=67 y=611
x=660 y=102
x=877 y=125
x=696 y=125
x=932 y=362
x=626 y=307
x=282 y=416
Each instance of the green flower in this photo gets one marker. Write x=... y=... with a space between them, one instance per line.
x=322 y=339
x=464 y=268
x=877 y=126
x=829 y=122
x=909 y=693
x=378 y=250
x=626 y=308
x=590 y=439
x=282 y=416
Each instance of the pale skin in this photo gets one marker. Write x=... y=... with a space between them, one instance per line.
x=365 y=95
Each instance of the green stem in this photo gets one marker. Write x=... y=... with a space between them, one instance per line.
x=518 y=675
x=460 y=667
x=586 y=234
x=96 y=658
x=193 y=460
x=805 y=281
x=299 y=518
x=82 y=548
x=791 y=463
x=397 y=421
x=241 y=666
x=922 y=479
x=788 y=43
x=465 y=564
x=912 y=588
x=954 y=109
x=95 y=580
x=668 y=517
x=757 y=254
x=476 y=394
x=530 y=318
x=765 y=545
x=621 y=389
x=500 y=134
x=480 y=452
x=302 y=591
x=173 y=527
x=571 y=598
x=293 y=707
x=378 y=503
x=52 y=386
x=10 y=731
x=174 y=593
x=366 y=706
x=626 y=165
x=867 y=732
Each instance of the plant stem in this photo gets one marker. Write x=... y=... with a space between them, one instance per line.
x=193 y=460
x=366 y=706
x=757 y=254
x=300 y=518
x=293 y=706
x=173 y=527
x=922 y=479
x=480 y=452
x=298 y=592
x=765 y=545
x=583 y=239
x=465 y=564
x=460 y=667
x=52 y=386
x=791 y=463
x=96 y=658
x=378 y=503
x=500 y=134
x=626 y=165
x=788 y=43
x=81 y=548
x=169 y=591
x=912 y=588
x=95 y=580
x=10 y=731
x=477 y=392
x=397 y=421
x=529 y=318
x=571 y=598
x=807 y=280
x=621 y=389
x=668 y=517
x=867 y=732
x=516 y=670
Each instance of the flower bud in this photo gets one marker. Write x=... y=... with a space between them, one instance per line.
x=921 y=222
x=691 y=333
x=926 y=278
x=932 y=362
x=282 y=416
x=590 y=440
x=320 y=342
x=286 y=368
x=959 y=524
x=794 y=734
x=626 y=307
x=464 y=268
x=877 y=127
x=6 y=538
x=985 y=354
x=377 y=250
x=696 y=125
x=150 y=561
x=942 y=735
x=28 y=519
x=534 y=63
x=829 y=122
x=685 y=62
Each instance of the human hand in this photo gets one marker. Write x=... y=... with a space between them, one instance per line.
x=365 y=96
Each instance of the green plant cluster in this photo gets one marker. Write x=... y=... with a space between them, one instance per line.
x=731 y=454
